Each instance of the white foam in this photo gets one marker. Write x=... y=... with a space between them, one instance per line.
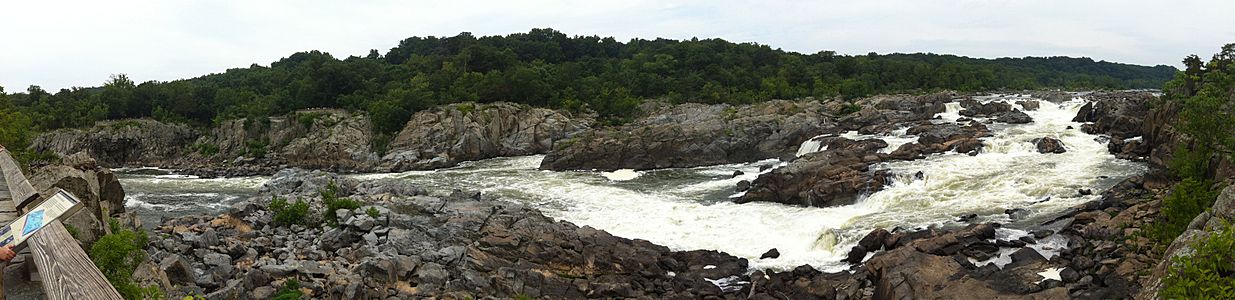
x=621 y=175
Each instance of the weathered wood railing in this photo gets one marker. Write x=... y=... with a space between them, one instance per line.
x=64 y=268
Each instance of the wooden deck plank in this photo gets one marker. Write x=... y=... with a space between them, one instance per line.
x=66 y=271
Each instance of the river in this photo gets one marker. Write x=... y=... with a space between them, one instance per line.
x=690 y=208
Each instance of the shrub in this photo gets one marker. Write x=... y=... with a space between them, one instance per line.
x=256 y=148
x=330 y=197
x=117 y=255
x=289 y=291
x=850 y=108
x=1188 y=199
x=289 y=213
x=206 y=149
x=372 y=212
x=1209 y=273
x=466 y=107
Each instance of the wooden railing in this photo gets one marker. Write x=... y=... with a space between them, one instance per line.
x=64 y=268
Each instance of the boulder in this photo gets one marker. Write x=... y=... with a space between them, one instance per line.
x=1049 y=145
x=1014 y=117
x=821 y=179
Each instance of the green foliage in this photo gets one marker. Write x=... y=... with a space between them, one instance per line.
x=307 y=119
x=850 y=108
x=289 y=291
x=1189 y=198
x=206 y=149
x=380 y=143
x=125 y=124
x=73 y=231
x=256 y=148
x=117 y=255
x=372 y=212
x=547 y=68
x=1208 y=273
x=289 y=213
x=466 y=108
x=330 y=197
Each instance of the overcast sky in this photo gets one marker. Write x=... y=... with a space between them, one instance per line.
x=58 y=44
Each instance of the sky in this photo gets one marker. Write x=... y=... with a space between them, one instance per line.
x=61 y=44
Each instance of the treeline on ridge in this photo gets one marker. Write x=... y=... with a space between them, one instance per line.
x=547 y=68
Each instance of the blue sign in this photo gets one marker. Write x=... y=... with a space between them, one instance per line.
x=34 y=221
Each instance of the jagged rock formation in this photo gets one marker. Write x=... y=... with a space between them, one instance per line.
x=319 y=138
x=688 y=135
x=447 y=135
x=121 y=142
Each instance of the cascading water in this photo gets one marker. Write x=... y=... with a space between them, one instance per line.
x=690 y=208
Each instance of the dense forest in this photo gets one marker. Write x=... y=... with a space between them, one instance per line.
x=547 y=68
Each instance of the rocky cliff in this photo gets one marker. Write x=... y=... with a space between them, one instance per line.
x=321 y=138
x=447 y=135
x=122 y=142
x=689 y=135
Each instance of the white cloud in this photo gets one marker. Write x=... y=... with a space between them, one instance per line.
x=59 y=44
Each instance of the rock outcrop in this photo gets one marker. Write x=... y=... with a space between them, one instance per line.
x=121 y=142
x=447 y=135
x=98 y=188
x=692 y=134
x=330 y=139
x=828 y=178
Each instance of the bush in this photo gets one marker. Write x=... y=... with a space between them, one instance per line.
x=330 y=197
x=206 y=149
x=289 y=213
x=289 y=291
x=372 y=212
x=1209 y=273
x=256 y=148
x=1188 y=199
x=850 y=108
x=117 y=255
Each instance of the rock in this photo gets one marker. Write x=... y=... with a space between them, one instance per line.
x=988 y=109
x=178 y=270
x=1029 y=105
x=217 y=259
x=856 y=254
x=1028 y=240
x=770 y=254
x=1119 y=114
x=443 y=136
x=821 y=179
x=1040 y=234
x=1024 y=256
x=874 y=241
x=1069 y=275
x=264 y=292
x=119 y=143
x=1085 y=192
x=692 y=134
x=737 y=173
x=1049 y=145
x=1014 y=117
x=742 y=186
x=966 y=218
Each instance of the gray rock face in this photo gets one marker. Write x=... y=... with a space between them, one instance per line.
x=447 y=135
x=692 y=134
x=124 y=142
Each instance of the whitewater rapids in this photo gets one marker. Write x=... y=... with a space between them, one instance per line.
x=690 y=208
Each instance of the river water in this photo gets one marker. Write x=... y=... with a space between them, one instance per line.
x=690 y=208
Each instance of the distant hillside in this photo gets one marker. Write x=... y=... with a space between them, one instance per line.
x=547 y=68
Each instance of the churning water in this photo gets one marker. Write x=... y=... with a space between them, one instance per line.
x=690 y=208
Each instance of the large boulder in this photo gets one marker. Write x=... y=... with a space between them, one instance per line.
x=99 y=190
x=447 y=135
x=1049 y=145
x=1120 y=114
x=837 y=176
